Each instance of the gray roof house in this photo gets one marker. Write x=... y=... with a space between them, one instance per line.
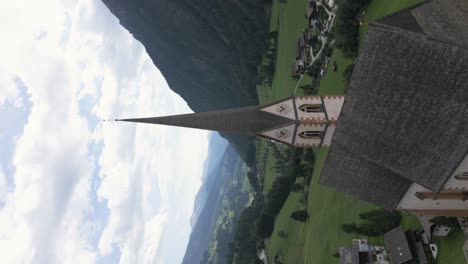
x=405 y=247
x=311 y=6
x=397 y=246
x=405 y=119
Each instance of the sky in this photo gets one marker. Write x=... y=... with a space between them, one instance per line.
x=74 y=189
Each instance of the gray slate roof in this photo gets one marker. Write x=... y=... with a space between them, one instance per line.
x=397 y=246
x=246 y=120
x=349 y=255
x=405 y=118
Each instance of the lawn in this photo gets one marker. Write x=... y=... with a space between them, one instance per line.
x=318 y=239
x=450 y=248
x=289 y=20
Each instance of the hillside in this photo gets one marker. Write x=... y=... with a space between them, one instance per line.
x=216 y=147
x=205 y=224
x=208 y=51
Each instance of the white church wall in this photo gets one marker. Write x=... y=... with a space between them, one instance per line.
x=453 y=183
x=411 y=202
x=333 y=105
x=328 y=135
x=309 y=100
x=299 y=141
x=282 y=134
x=283 y=108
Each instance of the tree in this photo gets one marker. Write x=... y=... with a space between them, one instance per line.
x=382 y=220
x=282 y=234
x=336 y=255
x=369 y=229
x=347 y=27
x=450 y=222
x=265 y=225
x=300 y=215
x=350 y=228
x=297 y=187
x=348 y=72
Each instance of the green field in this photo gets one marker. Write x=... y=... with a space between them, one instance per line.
x=318 y=239
x=450 y=248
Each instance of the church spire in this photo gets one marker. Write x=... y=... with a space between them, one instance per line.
x=304 y=121
x=246 y=120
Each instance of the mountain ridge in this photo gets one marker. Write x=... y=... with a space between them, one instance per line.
x=208 y=51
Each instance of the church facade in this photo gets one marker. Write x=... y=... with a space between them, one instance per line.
x=314 y=119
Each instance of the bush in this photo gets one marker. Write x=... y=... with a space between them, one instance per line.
x=300 y=215
x=450 y=222
x=376 y=223
x=349 y=228
x=297 y=187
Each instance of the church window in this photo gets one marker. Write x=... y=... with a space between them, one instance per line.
x=462 y=176
x=310 y=108
x=311 y=134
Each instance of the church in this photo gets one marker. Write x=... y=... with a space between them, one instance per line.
x=304 y=121
x=399 y=138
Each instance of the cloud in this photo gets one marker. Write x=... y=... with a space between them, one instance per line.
x=3 y=185
x=66 y=54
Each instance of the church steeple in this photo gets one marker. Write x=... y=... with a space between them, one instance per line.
x=246 y=120
x=307 y=121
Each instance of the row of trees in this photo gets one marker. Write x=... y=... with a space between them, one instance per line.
x=288 y=167
x=347 y=26
x=266 y=69
x=374 y=223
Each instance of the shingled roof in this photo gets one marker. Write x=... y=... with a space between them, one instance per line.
x=246 y=120
x=405 y=118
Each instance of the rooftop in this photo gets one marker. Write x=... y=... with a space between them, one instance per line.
x=405 y=118
x=397 y=246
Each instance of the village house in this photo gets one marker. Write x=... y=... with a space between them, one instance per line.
x=408 y=247
x=363 y=253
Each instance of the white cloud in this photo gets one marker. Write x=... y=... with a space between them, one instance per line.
x=61 y=50
x=3 y=185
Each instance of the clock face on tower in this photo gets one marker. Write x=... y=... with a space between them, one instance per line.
x=283 y=109
x=283 y=133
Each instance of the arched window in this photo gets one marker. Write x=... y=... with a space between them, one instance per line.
x=311 y=134
x=310 y=108
x=462 y=176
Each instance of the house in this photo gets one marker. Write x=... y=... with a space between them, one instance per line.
x=311 y=6
x=363 y=253
x=431 y=229
x=297 y=68
x=303 y=39
x=311 y=11
x=401 y=141
x=408 y=247
x=299 y=51
x=316 y=2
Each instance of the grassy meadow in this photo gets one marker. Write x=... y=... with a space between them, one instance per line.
x=319 y=238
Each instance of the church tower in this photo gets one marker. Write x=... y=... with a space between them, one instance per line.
x=305 y=121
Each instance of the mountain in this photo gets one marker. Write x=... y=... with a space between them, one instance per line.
x=203 y=227
x=216 y=148
x=208 y=51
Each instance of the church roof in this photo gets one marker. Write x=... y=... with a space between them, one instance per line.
x=405 y=118
x=245 y=120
